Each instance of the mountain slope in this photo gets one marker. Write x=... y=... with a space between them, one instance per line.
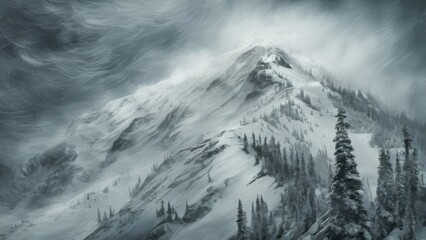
x=184 y=139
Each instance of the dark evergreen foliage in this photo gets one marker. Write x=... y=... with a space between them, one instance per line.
x=347 y=217
x=241 y=222
x=385 y=200
x=245 y=144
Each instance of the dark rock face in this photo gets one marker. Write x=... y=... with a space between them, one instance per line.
x=203 y=207
x=124 y=141
x=158 y=232
x=7 y=196
x=47 y=174
x=260 y=77
x=54 y=158
x=218 y=82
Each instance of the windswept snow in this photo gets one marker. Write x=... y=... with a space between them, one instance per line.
x=184 y=117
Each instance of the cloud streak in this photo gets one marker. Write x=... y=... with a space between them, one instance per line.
x=58 y=58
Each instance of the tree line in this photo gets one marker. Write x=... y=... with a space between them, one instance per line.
x=345 y=215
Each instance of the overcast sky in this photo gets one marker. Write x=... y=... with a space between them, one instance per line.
x=58 y=58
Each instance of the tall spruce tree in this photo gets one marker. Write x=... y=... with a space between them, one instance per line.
x=253 y=226
x=411 y=182
x=241 y=222
x=399 y=193
x=385 y=207
x=347 y=217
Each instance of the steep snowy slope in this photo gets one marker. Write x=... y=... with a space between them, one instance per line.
x=184 y=138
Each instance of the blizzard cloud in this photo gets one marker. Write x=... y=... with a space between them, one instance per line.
x=59 y=58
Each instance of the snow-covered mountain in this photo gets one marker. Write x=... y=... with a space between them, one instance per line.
x=181 y=141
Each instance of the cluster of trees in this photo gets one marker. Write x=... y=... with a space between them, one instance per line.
x=352 y=98
x=299 y=201
x=135 y=189
x=169 y=215
x=105 y=217
x=387 y=129
x=396 y=200
x=276 y=163
x=397 y=192
x=262 y=221
x=295 y=171
x=346 y=216
x=289 y=111
x=306 y=99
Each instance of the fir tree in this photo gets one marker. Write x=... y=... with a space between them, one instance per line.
x=263 y=217
x=399 y=193
x=411 y=182
x=241 y=222
x=253 y=226
x=285 y=164
x=176 y=218
x=254 y=140
x=162 y=210
x=111 y=214
x=311 y=169
x=105 y=217
x=303 y=177
x=347 y=216
x=186 y=208
x=245 y=147
x=169 y=212
x=311 y=190
x=297 y=170
x=259 y=147
x=330 y=176
x=265 y=147
x=385 y=207
x=99 y=216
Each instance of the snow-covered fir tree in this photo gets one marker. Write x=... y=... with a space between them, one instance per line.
x=385 y=200
x=399 y=191
x=411 y=182
x=347 y=217
x=241 y=222
x=261 y=225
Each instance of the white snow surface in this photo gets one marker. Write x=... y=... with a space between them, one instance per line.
x=185 y=115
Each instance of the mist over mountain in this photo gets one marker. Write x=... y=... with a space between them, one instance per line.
x=156 y=119
x=60 y=57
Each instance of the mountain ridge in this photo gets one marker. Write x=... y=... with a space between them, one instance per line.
x=199 y=128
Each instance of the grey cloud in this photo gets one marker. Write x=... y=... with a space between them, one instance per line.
x=58 y=58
